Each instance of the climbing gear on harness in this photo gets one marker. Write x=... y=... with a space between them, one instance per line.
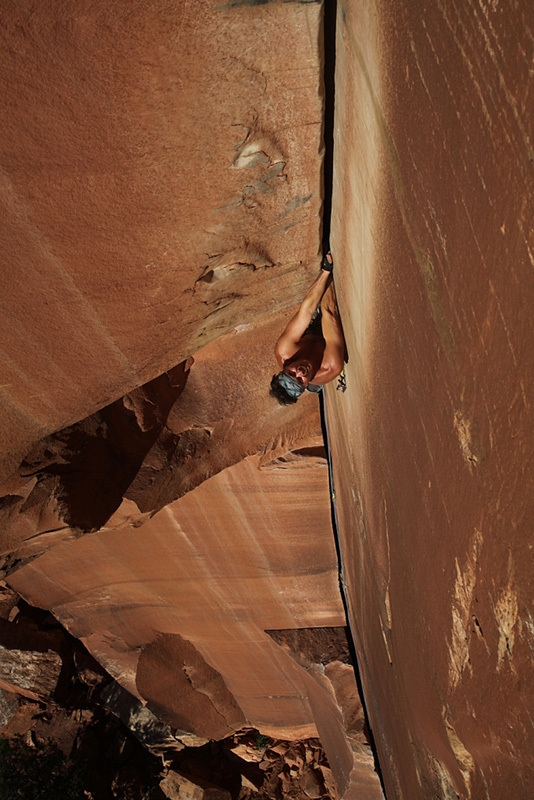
x=341 y=382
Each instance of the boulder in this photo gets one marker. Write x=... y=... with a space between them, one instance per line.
x=177 y=787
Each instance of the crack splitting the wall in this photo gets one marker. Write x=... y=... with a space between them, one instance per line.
x=329 y=51
x=329 y=22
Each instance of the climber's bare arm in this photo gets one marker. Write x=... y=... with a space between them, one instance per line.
x=287 y=344
x=334 y=353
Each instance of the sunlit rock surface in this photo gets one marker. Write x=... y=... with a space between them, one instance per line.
x=211 y=568
x=432 y=441
x=160 y=183
x=161 y=194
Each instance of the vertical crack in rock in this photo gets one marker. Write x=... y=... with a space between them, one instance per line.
x=325 y=655
x=329 y=22
x=343 y=591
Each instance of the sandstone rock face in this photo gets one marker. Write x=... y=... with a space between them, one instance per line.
x=432 y=233
x=324 y=654
x=195 y=697
x=31 y=660
x=72 y=481
x=210 y=568
x=210 y=548
x=215 y=542
x=160 y=184
x=161 y=190
x=177 y=787
x=29 y=673
x=177 y=607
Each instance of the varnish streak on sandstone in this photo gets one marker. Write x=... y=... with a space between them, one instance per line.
x=219 y=592
x=432 y=439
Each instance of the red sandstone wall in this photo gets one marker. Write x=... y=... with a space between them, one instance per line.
x=432 y=442
x=212 y=568
x=160 y=187
x=159 y=184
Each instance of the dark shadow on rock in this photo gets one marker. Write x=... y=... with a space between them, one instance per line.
x=315 y=645
x=28 y=633
x=214 y=765
x=176 y=464
x=330 y=10
x=89 y=466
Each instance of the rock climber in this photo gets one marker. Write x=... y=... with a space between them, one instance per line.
x=311 y=350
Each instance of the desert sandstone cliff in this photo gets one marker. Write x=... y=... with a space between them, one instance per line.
x=433 y=225
x=161 y=190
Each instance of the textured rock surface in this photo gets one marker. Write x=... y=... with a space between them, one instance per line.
x=324 y=654
x=177 y=787
x=432 y=231
x=149 y=449
x=159 y=184
x=32 y=673
x=73 y=480
x=182 y=573
x=127 y=752
x=180 y=598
